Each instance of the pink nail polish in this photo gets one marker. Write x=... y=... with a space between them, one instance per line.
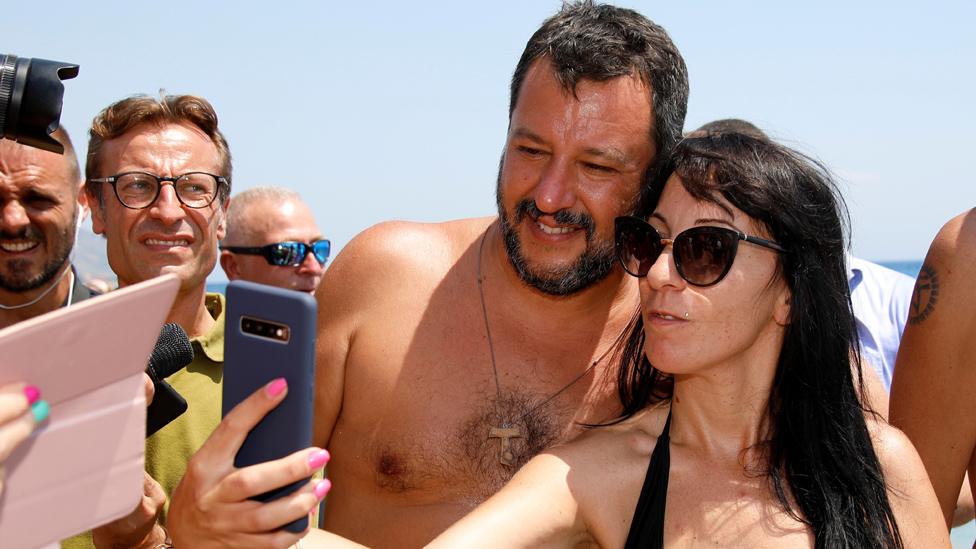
x=276 y=387
x=318 y=459
x=32 y=393
x=322 y=488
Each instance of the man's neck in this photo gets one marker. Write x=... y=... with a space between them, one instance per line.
x=190 y=311
x=50 y=302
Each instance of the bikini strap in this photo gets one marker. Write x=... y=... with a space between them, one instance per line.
x=647 y=526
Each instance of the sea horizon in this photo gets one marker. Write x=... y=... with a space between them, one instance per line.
x=908 y=267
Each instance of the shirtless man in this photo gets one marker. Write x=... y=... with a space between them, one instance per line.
x=449 y=354
x=933 y=393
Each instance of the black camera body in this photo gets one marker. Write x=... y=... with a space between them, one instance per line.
x=30 y=99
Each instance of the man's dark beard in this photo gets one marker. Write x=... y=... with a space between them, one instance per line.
x=591 y=267
x=15 y=275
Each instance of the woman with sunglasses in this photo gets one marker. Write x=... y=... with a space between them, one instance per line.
x=742 y=424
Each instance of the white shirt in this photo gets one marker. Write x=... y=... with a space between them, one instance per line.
x=881 y=297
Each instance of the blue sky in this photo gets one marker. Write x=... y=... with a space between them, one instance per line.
x=393 y=110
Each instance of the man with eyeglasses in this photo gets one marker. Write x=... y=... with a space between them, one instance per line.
x=158 y=182
x=272 y=238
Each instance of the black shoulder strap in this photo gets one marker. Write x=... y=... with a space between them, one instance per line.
x=647 y=526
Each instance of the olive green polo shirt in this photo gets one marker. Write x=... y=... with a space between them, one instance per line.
x=201 y=384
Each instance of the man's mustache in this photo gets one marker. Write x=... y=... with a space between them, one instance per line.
x=527 y=207
x=27 y=233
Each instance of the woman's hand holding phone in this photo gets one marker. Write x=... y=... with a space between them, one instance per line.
x=211 y=505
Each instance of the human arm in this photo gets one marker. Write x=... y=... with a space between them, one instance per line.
x=933 y=393
x=343 y=300
x=210 y=506
x=535 y=509
x=366 y=282
x=913 y=501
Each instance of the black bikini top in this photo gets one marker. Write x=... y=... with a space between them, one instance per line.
x=647 y=526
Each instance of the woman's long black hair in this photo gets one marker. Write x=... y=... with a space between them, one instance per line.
x=820 y=460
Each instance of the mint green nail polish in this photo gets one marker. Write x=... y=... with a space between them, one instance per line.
x=40 y=410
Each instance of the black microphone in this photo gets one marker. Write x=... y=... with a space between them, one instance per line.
x=171 y=354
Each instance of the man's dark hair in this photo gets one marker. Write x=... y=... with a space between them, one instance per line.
x=587 y=41
x=729 y=125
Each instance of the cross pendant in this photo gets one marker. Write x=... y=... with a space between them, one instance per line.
x=505 y=455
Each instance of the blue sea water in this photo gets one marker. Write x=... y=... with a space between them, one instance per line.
x=910 y=268
x=217 y=287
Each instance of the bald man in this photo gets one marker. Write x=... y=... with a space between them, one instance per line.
x=272 y=238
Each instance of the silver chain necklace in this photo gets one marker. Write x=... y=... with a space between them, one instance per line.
x=507 y=431
x=50 y=288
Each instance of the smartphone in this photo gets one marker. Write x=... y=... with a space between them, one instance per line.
x=270 y=333
x=167 y=405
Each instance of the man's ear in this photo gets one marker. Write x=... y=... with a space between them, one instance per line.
x=229 y=264
x=96 y=206
x=83 y=208
x=222 y=222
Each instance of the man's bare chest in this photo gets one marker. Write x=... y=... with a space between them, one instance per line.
x=431 y=412
x=437 y=425
x=460 y=449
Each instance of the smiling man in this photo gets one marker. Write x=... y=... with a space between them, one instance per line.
x=159 y=175
x=272 y=238
x=41 y=206
x=449 y=354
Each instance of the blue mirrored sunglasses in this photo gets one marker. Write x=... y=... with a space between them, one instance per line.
x=286 y=254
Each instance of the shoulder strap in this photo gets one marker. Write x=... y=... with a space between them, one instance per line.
x=647 y=526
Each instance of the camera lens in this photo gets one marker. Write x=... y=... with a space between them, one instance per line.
x=30 y=99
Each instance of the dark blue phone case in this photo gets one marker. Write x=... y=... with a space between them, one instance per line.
x=250 y=362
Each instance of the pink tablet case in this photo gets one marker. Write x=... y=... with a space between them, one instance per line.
x=84 y=466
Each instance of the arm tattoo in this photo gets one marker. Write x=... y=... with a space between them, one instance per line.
x=926 y=295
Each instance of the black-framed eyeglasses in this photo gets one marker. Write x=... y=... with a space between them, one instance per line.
x=139 y=190
x=286 y=254
x=702 y=255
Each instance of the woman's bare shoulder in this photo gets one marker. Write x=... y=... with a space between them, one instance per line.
x=633 y=437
